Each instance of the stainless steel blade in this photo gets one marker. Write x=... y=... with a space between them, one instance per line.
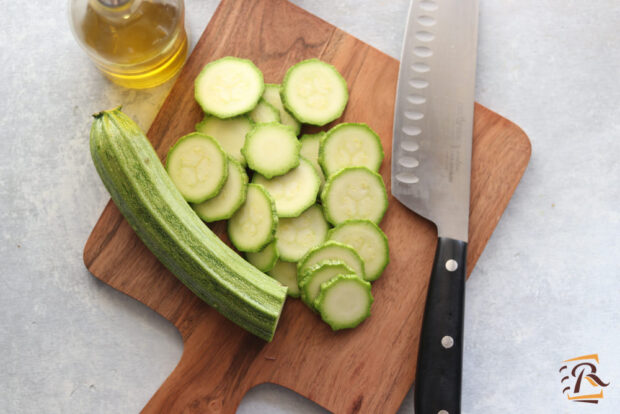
x=433 y=117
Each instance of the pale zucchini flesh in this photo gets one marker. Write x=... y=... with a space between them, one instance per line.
x=146 y=196
x=368 y=240
x=229 y=133
x=286 y=274
x=310 y=144
x=294 y=191
x=295 y=236
x=310 y=284
x=264 y=113
x=350 y=145
x=198 y=167
x=230 y=197
x=228 y=87
x=354 y=193
x=331 y=250
x=314 y=92
x=253 y=226
x=271 y=149
x=344 y=301
x=264 y=260
x=272 y=96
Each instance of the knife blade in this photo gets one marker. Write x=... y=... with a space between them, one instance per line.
x=431 y=167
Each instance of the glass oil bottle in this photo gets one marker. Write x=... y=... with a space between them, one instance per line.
x=135 y=43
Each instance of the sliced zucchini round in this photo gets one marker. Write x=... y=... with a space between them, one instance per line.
x=354 y=193
x=310 y=144
x=286 y=273
x=254 y=224
x=198 y=167
x=314 y=92
x=229 y=87
x=272 y=96
x=368 y=240
x=294 y=191
x=264 y=113
x=230 y=197
x=295 y=236
x=271 y=149
x=350 y=145
x=264 y=260
x=344 y=301
x=310 y=284
x=331 y=250
x=229 y=133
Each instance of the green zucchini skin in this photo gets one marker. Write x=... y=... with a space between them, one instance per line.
x=144 y=193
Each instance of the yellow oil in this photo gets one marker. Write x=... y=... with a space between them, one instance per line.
x=138 y=45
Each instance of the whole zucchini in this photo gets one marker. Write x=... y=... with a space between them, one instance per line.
x=142 y=190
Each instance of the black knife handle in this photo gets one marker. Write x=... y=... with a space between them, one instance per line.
x=440 y=357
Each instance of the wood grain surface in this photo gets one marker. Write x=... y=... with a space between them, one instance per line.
x=365 y=370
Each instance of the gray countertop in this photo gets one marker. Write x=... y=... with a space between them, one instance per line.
x=547 y=287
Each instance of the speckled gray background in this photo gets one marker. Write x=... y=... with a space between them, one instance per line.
x=547 y=287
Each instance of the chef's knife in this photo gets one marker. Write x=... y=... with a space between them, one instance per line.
x=431 y=165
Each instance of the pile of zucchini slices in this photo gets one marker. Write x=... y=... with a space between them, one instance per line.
x=305 y=211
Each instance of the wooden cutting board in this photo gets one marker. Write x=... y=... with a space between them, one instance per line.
x=365 y=370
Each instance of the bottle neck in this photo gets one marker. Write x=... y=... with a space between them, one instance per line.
x=113 y=3
x=115 y=10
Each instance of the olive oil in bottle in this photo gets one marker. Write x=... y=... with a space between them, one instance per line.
x=135 y=43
